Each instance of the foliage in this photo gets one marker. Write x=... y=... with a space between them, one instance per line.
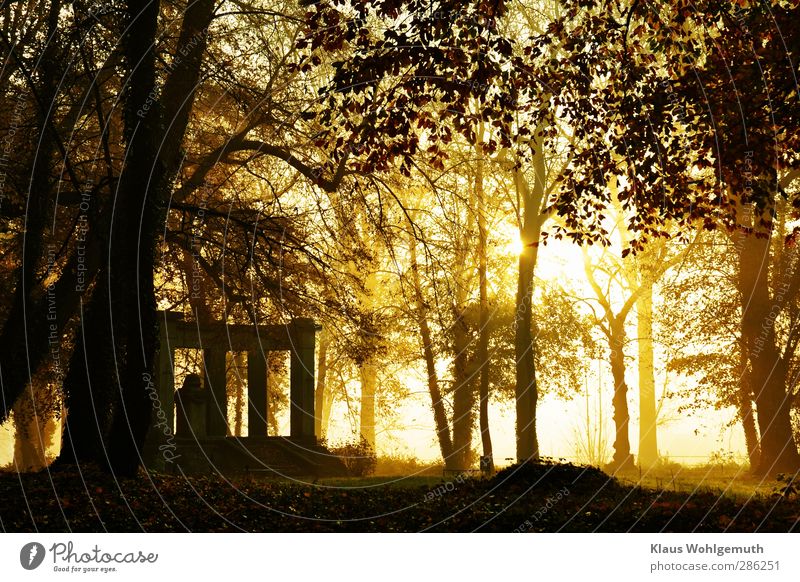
x=404 y=465
x=659 y=80
x=395 y=81
x=86 y=501
x=787 y=487
x=359 y=457
x=650 y=86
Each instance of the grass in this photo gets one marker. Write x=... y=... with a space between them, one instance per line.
x=724 y=479
x=393 y=481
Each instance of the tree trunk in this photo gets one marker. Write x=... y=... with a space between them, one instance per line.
x=464 y=370
x=90 y=400
x=369 y=379
x=622 y=458
x=750 y=431
x=778 y=448
x=273 y=394
x=91 y=410
x=463 y=396
x=526 y=391
x=746 y=412
x=239 y=365
x=327 y=405
x=487 y=462
x=648 y=440
x=133 y=242
x=437 y=402
x=109 y=408
x=30 y=439
x=320 y=395
x=368 y=369
x=123 y=305
x=768 y=368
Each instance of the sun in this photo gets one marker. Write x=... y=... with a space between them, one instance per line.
x=509 y=242
x=514 y=246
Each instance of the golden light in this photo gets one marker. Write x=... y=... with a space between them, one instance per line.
x=514 y=246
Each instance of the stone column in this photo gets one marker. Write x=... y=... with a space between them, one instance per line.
x=256 y=393
x=216 y=395
x=302 y=335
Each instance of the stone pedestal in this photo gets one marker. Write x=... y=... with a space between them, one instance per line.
x=201 y=406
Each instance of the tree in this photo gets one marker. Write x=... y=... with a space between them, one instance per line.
x=661 y=83
x=702 y=315
x=455 y=67
x=420 y=311
x=635 y=276
x=166 y=178
x=344 y=113
x=144 y=185
x=485 y=314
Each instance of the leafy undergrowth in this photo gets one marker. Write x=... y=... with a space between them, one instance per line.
x=530 y=498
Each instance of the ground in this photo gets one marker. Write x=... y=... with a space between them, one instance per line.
x=548 y=497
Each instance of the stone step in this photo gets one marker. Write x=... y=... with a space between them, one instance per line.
x=274 y=456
